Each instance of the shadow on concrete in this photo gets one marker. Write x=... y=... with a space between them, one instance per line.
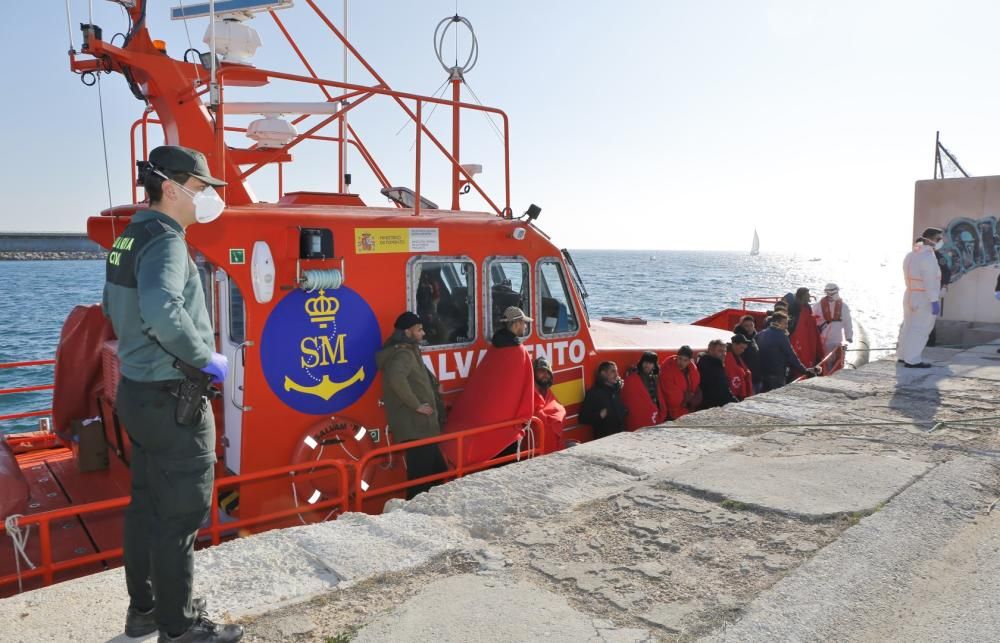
x=917 y=394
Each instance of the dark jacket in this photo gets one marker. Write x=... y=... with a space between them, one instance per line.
x=406 y=384
x=601 y=396
x=503 y=338
x=776 y=353
x=714 y=383
x=751 y=356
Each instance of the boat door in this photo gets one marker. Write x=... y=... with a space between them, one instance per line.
x=232 y=338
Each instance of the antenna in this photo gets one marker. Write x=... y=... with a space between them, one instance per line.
x=456 y=76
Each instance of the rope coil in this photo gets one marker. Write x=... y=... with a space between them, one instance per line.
x=329 y=279
x=19 y=540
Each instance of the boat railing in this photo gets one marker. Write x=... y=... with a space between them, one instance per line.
x=47 y=568
x=759 y=300
x=536 y=447
x=9 y=417
x=216 y=529
x=833 y=362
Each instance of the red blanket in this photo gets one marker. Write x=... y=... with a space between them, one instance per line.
x=553 y=416
x=805 y=340
x=501 y=388
x=739 y=376
x=642 y=411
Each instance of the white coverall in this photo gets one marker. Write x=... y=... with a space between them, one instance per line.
x=834 y=333
x=923 y=287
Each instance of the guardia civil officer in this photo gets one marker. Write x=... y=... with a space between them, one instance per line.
x=153 y=297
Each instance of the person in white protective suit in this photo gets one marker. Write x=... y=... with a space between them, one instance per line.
x=922 y=300
x=833 y=317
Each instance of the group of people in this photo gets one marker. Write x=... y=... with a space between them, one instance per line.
x=414 y=407
x=796 y=338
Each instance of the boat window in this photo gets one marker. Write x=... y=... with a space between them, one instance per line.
x=444 y=299
x=509 y=284
x=556 y=306
x=237 y=315
x=207 y=275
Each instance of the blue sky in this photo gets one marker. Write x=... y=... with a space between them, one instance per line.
x=679 y=125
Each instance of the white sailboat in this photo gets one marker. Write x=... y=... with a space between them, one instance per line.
x=755 y=248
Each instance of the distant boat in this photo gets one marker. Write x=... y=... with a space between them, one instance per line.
x=755 y=248
x=816 y=259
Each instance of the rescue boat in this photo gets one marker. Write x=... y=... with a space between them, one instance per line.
x=303 y=292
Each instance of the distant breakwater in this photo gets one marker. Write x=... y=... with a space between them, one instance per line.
x=49 y=256
x=35 y=246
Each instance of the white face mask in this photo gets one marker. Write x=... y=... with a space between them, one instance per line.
x=208 y=205
x=938 y=244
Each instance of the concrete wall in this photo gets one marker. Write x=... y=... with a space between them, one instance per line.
x=47 y=242
x=967 y=210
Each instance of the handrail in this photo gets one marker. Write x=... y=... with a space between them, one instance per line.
x=26 y=414
x=27 y=389
x=47 y=568
x=759 y=300
x=37 y=362
x=833 y=362
x=460 y=469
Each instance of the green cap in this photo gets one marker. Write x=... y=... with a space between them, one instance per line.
x=183 y=160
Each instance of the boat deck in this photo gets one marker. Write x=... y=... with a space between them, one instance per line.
x=653 y=335
x=56 y=482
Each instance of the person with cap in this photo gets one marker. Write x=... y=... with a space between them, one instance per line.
x=603 y=408
x=714 y=383
x=412 y=398
x=514 y=326
x=776 y=354
x=547 y=407
x=680 y=384
x=641 y=393
x=737 y=372
x=154 y=299
x=834 y=318
x=750 y=356
x=922 y=299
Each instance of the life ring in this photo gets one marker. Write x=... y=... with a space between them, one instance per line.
x=341 y=438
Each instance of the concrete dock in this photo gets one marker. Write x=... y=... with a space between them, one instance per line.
x=858 y=507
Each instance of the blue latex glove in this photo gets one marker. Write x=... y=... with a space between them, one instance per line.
x=217 y=367
x=997 y=293
x=936 y=308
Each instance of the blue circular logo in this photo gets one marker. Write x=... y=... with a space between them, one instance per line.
x=318 y=349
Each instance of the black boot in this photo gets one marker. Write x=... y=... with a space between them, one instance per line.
x=139 y=624
x=205 y=631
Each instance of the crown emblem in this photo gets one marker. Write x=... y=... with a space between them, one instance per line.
x=322 y=309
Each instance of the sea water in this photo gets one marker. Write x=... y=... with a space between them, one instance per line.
x=36 y=297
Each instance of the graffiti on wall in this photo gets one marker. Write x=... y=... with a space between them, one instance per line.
x=970 y=244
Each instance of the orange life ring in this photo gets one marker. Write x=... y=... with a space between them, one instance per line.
x=342 y=438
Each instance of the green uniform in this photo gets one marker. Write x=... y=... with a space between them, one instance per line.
x=154 y=299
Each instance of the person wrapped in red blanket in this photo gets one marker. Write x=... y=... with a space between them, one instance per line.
x=680 y=384
x=501 y=388
x=739 y=376
x=641 y=393
x=804 y=333
x=547 y=407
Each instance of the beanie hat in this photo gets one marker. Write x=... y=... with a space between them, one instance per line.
x=407 y=320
